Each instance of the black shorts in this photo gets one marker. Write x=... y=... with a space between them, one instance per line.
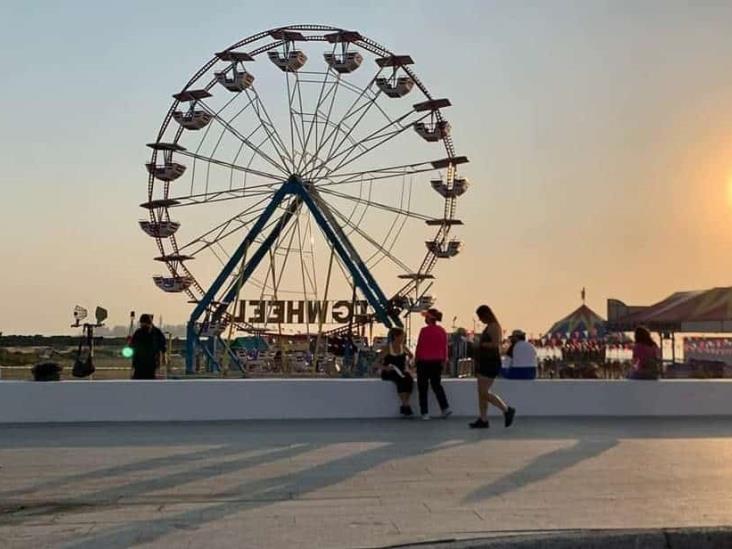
x=403 y=384
x=488 y=368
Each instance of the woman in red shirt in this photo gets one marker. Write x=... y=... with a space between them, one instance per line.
x=431 y=356
x=645 y=356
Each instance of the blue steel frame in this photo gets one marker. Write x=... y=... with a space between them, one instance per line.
x=302 y=193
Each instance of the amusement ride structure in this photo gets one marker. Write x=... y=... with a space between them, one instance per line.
x=295 y=188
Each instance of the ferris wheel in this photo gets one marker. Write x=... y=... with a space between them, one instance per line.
x=303 y=180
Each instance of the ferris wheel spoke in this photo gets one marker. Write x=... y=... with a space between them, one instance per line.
x=294 y=130
x=256 y=149
x=368 y=144
x=220 y=229
x=273 y=223
x=403 y=221
x=208 y=244
x=378 y=205
x=325 y=120
x=270 y=129
x=325 y=116
x=206 y=132
x=214 y=236
x=235 y=160
x=312 y=254
x=363 y=234
x=288 y=251
x=330 y=137
x=221 y=196
x=378 y=174
x=336 y=144
x=398 y=223
x=356 y=207
x=314 y=121
x=237 y=167
x=303 y=270
x=270 y=269
x=301 y=113
x=329 y=97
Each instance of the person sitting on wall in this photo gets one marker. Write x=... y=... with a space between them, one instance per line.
x=395 y=367
x=646 y=356
x=522 y=361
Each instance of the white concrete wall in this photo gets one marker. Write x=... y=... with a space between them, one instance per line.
x=203 y=400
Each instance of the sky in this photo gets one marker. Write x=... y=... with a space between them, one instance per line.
x=599 y=133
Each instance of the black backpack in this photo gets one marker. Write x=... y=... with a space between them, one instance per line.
x=46 y=371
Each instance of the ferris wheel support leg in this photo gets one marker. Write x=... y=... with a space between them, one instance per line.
x=238 y=254
x=303 y=193
x=362 y=277
x=360 y=273
x=191 y=345
x=193 y=339
x=261 y=252
x=195 y=345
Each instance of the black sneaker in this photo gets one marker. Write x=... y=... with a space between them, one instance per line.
x=408 y=411
x=479 y=424
x=403 y=410
x=508 y=416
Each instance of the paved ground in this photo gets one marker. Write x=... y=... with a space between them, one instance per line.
x=355 y=483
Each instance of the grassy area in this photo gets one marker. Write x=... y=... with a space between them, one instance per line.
x=16 y=363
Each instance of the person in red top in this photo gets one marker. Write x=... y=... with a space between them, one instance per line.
x=645 y=356
x=431 y=356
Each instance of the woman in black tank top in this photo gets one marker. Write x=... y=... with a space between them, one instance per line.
x=394 y=368
x=487 y=360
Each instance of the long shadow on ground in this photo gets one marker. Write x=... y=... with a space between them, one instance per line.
x=254 y=443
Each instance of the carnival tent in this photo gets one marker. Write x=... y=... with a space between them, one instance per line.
x=699 y=311
x=582 y=323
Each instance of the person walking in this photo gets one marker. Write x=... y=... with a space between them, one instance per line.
x=487 y=357
x=395 y=368
x=431 y=357
x=148 y=344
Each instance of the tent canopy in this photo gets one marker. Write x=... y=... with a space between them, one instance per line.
x=690 y=311
x=582 y=323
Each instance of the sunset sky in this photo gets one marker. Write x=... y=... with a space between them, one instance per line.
x=599 y=134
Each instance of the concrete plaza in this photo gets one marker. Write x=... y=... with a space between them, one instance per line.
x=353 y=483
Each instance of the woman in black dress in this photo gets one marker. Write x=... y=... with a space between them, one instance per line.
x=487 y=358
x=394 y=368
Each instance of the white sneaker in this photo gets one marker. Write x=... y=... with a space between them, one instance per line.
x=426 y=417
x=446 y=413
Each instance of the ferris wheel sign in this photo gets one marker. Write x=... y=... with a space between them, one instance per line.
x=298 y=164
x=301 y=312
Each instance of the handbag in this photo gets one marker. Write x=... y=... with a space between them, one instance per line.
x=84 y=367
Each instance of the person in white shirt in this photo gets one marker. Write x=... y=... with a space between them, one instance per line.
x=522 y=362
